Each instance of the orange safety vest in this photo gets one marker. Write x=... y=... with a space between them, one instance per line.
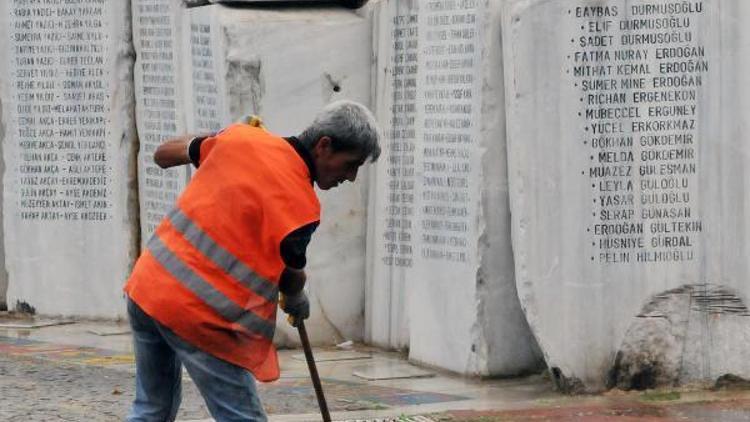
x=211 y=271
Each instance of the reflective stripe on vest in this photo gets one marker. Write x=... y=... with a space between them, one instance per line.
x=212 y=297
x=221 y=257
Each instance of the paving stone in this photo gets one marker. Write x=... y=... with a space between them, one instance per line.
x=334 y=356
x=388 y=370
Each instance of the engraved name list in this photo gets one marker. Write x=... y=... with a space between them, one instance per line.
x=61 y=97
x=638 y=72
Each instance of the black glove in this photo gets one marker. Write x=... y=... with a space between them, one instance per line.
x=297 y=306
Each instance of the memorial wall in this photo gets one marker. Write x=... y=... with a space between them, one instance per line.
x=69 y=195
x=160 y=106
x=589 y=158
x=69 y=145
x=285 y=65
x=629 y=158
x=440 y=271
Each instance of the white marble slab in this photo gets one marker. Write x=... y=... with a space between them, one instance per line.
x=69 y=207
x=435 y=283
x=285 y=65
x=31 y=324
x=334 y=356
x=628 y=167
x=160 y=108
x=390 y=370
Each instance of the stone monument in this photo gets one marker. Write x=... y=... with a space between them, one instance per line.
x=352 y=4
x=285 y=65
x=69 y=199
x=629 y=162
x=440 y=269
x=160 y=108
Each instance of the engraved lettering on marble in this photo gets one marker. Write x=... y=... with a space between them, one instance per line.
x=158 y=112
x=448 y=132
x=61 y=98
x=398 y=242
x=206 y=109
x=638 y=70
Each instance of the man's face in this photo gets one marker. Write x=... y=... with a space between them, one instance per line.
x=334 y=167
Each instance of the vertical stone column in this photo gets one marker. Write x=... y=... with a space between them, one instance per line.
x=392 y=228
x=3 y=269
x=160 y=112
x=434 y=280
x=68 y=146
x=203 y=48
x=628 y=171
x=285 y=65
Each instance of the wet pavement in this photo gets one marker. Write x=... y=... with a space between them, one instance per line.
x=691 y=406
x=85 y=372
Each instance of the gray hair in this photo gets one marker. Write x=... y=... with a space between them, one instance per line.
x=350 y=125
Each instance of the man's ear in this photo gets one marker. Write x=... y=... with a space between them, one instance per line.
x=323 y=145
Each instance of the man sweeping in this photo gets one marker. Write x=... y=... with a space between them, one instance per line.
x=204 y=292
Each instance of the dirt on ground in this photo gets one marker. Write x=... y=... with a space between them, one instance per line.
x=667 y=405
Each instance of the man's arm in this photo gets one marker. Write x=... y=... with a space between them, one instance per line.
x=174 y=152
x=291 y=285
x=293 y=299
x=292 y=281
x=293 y=250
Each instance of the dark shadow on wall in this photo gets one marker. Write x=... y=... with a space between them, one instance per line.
x=351 y=4
x=692 y=334
x=3 y=270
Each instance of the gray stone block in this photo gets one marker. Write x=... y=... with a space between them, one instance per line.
x=69 y=199
x=693 y=334
x=628 y=175
x=441 y=274
x=285 y=65
x=160 y=109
